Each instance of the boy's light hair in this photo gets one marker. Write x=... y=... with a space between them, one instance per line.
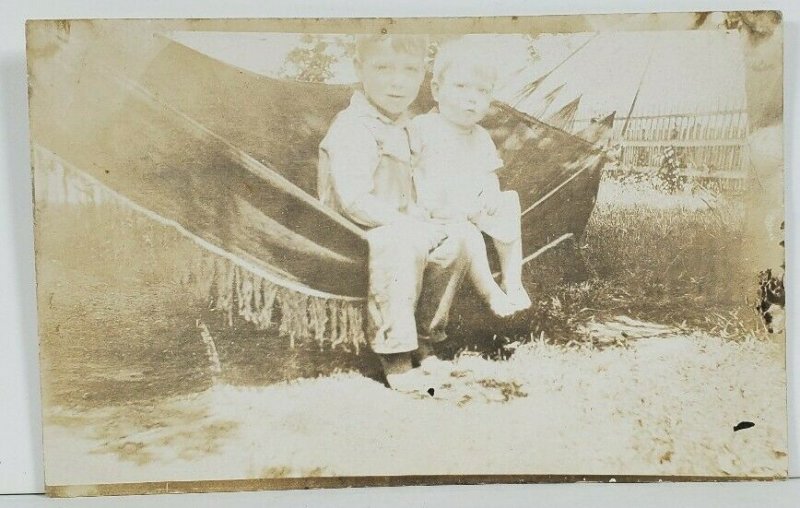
x=410 y=44
x=463 y=52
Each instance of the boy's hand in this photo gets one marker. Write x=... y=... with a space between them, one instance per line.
x=491 y=202
x=442 y=250
x=477 y=209
x=487 y=202
x=431 y=234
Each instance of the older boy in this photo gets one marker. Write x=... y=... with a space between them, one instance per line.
x=365 y=174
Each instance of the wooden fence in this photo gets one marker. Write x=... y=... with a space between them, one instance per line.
x=710 y=146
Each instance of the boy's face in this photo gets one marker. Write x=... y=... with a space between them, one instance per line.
x=391 y=79
x=464 y=95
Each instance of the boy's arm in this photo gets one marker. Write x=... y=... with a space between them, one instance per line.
x=490 y=196
x=420 y=208
x=353 y=158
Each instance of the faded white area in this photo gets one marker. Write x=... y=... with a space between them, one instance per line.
x=678 y=71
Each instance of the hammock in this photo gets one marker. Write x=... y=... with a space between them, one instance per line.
x=228 y=158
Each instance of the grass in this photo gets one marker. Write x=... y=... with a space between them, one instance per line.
x=676 y=259
x=673 y=265
x=671 y=258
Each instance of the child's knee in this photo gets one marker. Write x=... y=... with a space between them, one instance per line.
x=469 y=238
x=397 y=243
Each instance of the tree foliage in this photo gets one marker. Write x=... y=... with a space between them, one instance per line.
x=314 y=58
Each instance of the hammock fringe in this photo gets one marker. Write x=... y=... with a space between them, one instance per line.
x=227 y=286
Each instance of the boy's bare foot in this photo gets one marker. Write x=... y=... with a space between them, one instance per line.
x=519 y=297
x=501 y=304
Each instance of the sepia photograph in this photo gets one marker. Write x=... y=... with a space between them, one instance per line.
x=326 y=253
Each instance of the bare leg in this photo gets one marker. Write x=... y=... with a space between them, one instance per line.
x=504 y=227
x=510 y=254
x=425 y=350
x=397 y=363
x=481 y=274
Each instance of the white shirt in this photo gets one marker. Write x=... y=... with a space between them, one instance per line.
x=365 y=165
x=452 y=166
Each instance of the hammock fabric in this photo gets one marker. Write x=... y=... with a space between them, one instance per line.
x=228 y=158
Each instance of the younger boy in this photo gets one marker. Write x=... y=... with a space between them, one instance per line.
x=365 y=174
x=454 y=173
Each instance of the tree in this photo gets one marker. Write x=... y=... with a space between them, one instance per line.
x=314 y=58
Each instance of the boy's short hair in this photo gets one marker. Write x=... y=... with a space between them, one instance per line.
x=463 y=52
x=410 y=44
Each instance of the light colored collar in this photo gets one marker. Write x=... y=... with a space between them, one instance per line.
x=363 y=107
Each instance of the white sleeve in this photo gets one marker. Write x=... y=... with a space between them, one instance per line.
x=491 y=160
